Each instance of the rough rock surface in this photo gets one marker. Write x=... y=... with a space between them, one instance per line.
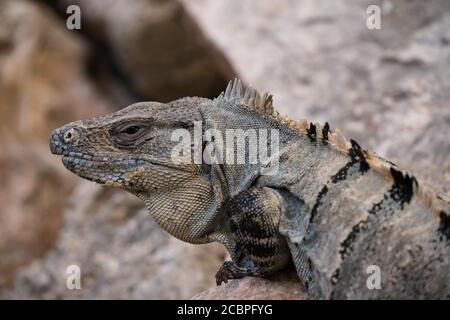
x=121 y=252
x=36 y=95
x=284 y=286
x=157 y=46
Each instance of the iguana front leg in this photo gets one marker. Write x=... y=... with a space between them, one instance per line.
x=259 y=248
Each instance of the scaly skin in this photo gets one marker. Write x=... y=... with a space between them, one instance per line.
x=332 y=207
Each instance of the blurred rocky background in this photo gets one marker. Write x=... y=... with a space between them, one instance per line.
x=387 y=88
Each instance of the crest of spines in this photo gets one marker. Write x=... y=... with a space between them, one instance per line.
x=251 y=99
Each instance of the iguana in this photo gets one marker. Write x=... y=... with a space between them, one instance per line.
x=331 y=207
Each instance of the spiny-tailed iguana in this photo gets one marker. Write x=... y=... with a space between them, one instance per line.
x=333 y=208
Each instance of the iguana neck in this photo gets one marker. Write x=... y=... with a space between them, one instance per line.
x=271 y=138
x=189 y=213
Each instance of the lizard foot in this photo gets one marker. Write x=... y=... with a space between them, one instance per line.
x=230 y=270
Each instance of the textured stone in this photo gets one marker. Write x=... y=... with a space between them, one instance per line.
x=157 y=46
x=285 y=286
x=42 y=85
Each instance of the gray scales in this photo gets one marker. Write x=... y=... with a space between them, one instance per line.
x=332 y=209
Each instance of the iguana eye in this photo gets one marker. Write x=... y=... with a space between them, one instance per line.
x=131 y=130
x=129 y=134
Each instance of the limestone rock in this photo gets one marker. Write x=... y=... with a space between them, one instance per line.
x=42 y=86
x=157 y=46
x=285 y=286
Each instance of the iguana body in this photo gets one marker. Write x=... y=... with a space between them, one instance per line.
x=332 y=208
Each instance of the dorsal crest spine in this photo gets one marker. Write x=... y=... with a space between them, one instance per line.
x=250 y=98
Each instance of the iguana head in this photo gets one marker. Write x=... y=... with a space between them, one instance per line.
x=133 y=149
x=130 y=148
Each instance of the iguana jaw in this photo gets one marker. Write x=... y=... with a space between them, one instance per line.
x=93 y=168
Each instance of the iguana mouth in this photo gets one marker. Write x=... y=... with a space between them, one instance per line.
x=74 y=158
x=84 y=164
x=96 y=169
x=82 y=160
x=87 y=166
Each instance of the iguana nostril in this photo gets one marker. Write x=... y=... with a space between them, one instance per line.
x=71 y=135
